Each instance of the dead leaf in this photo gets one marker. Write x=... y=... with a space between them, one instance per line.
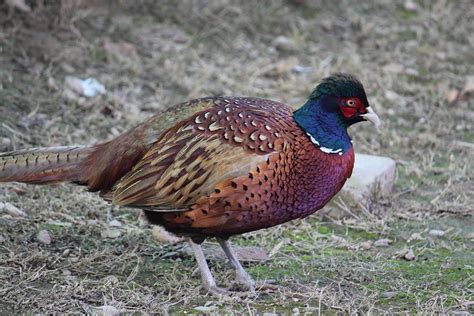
x=415 y=236
x=276 y=248
x=74 y=84
x=452 y=95
x=283 y=67
x=120 y=49
x=12 y=210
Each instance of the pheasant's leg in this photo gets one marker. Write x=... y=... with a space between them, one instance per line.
x=207 y=278
x=241 y=276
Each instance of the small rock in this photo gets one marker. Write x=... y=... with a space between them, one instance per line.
x=108 y=310
x=412 y=72
x=66 y=252
x=283 y=43
x=44 y=237
x=410 y=6
x=66 y=272
x=6 y=141
x=469 y=86
x=366 y=245
x=74 y=84
x=436 y=232
x=406 y=254
x=339 y=242
x=205 y=308
x=393 y=68
x=111 y=279
x=389 y=294
x=391 y=95
x=409 y=255
x=12 y=210
x=416 y=236
x=2 y=239
x=70 y=95
x=111 y=233
x=115 y=223
x=302 y=69
x=67 y=68
x=52 y=84
x=382 y=243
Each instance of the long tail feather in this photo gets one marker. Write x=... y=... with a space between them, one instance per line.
x=43 y=165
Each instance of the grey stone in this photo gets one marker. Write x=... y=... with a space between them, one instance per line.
x=369 y=172
x=44 y=237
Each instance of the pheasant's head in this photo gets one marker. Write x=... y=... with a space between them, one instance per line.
x=337 y=102
x=345 y=94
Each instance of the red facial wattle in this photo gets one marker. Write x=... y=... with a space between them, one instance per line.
x=350 y=106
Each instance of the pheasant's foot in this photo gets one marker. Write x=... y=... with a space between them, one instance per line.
x=217 y=291
x=244 y=281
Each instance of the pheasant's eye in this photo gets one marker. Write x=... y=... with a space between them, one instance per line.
x=350 y=102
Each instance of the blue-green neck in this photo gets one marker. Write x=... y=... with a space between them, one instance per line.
x=321 y=119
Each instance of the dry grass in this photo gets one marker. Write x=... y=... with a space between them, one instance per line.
x=151 y=55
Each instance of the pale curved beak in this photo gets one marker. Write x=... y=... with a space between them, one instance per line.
x=372 y=117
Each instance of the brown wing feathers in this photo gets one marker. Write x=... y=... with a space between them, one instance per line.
x=198 y=159
x=190 y=159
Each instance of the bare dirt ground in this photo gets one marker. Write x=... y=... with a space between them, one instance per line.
x=416 y=60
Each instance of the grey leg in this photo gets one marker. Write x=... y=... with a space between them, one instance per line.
x=208 y=280
x=241 y=276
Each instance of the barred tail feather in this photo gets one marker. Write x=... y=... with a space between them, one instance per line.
x=44 y=165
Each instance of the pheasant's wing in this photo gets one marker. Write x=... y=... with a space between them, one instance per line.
x=188 y=160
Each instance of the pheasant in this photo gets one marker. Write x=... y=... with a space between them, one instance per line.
x=233 y=165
